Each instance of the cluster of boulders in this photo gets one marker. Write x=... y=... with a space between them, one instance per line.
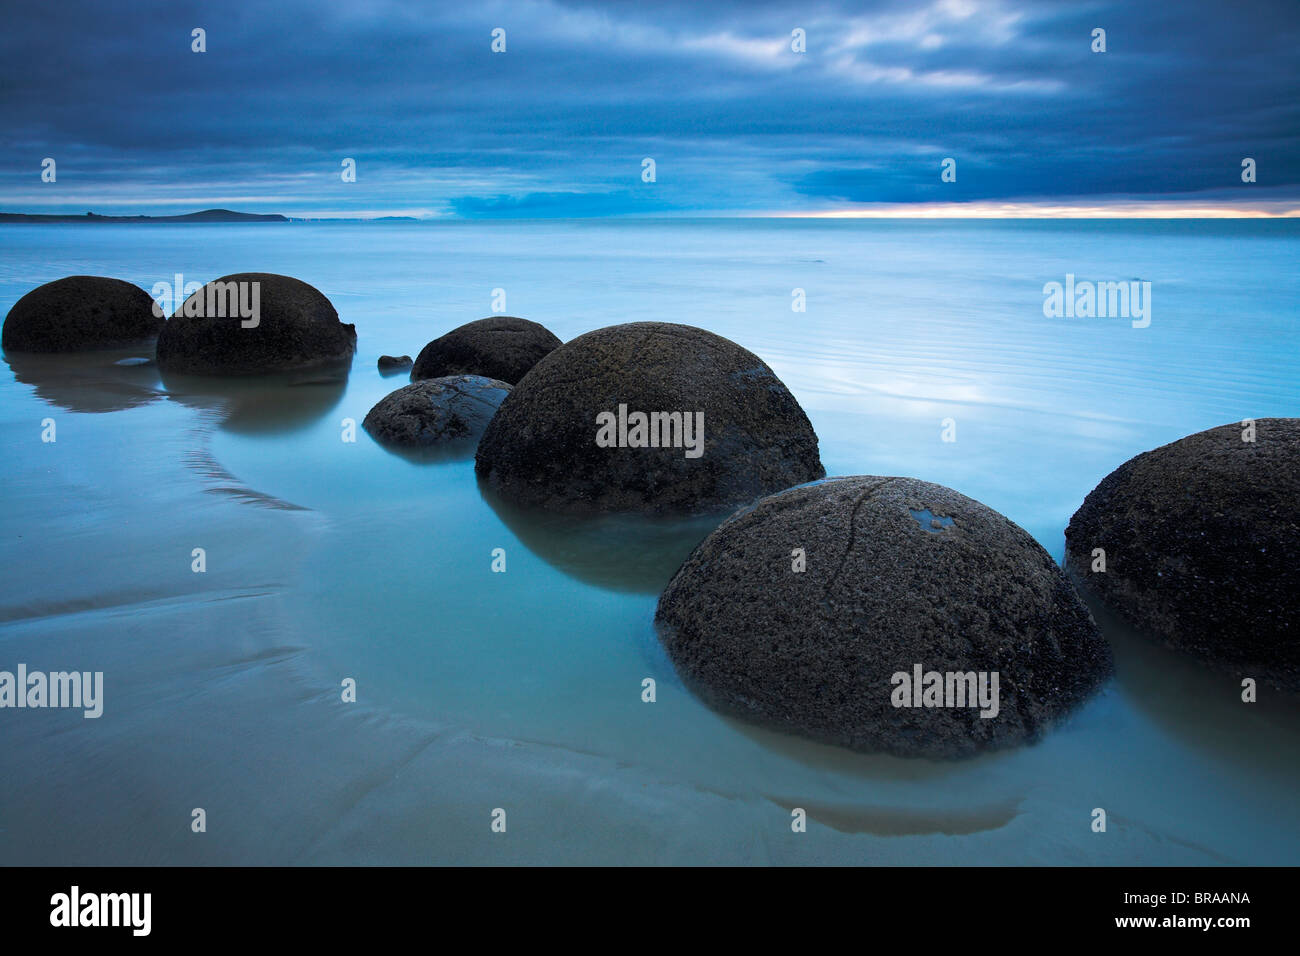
x=458 y=381
x=873 y=612
x=245 y=324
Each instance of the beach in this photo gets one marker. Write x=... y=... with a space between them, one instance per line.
x=923 y=350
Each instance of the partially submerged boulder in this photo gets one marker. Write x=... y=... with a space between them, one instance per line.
x=436 y=413
x=1197 y=543
x=254 y=323
x=80 y=313
x=802 y=612
x=503 y=347
x=647 y=417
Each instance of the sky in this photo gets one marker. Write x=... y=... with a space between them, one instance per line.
x=736 y=121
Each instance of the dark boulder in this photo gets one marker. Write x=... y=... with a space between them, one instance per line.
x=254 y=323
x=501 y=346
x=80 y=313
x=388 y=364
x=610 y=422
x=898 y=573
x=451 y=411
x=1201 y=542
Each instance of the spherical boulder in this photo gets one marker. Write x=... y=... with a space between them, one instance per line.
x=882 y=614
x=253 y=323
x=502 y=347
x=647 y=417
x=1197 y=543
x=447 y=411
x=80 y=313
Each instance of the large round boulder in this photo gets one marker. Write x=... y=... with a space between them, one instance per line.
x=502 y=347
x=80 y=313
x=647 y=417
x=1197 y=543
x=253 y=323
x=438 y=412
x=815 y=611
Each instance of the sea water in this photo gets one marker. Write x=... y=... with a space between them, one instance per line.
x=916 y=348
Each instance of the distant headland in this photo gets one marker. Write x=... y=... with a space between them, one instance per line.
x=207 y=215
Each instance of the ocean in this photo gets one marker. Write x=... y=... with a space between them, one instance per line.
x=922 y=349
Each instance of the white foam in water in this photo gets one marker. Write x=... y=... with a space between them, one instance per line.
x=328 y=560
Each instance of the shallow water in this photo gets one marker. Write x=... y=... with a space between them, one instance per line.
x=329 y=559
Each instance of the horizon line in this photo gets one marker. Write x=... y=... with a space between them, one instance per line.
x=987 y=210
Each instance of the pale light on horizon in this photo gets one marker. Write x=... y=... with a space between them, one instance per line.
x=1031 y=210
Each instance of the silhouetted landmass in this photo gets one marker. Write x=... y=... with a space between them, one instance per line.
x=207 y=215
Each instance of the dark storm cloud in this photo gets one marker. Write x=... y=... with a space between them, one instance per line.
x=559 y=124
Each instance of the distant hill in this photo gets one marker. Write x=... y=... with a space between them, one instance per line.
x=207 y=215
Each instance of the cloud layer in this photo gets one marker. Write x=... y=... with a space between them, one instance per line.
x=558 y=125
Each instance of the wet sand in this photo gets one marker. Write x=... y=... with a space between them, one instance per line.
x=521 y=690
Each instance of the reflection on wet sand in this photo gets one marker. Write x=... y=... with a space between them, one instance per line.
x=617 y=552
x=905 y=821
x=117 y=379
x=104 y=381
x=267 y=404
x=1200 y=705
